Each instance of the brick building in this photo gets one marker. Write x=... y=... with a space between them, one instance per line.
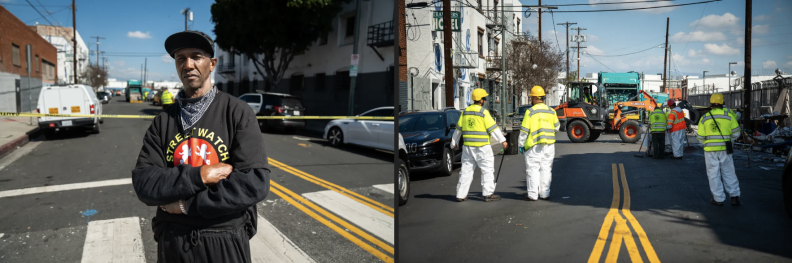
x=14 y=36
x=402 y=53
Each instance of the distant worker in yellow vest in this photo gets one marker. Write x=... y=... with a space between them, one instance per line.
x=166 y=99
x=476 y=126
x=537 y=144
x=716 y=130
x=658 y=124
x=145 y=96
x=587 y=97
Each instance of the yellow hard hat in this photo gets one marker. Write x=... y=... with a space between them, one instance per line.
x=537 y=91
x=716 y=98
x=478 y=94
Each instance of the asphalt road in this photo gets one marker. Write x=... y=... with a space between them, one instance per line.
x=668 y=218
x=54 y=226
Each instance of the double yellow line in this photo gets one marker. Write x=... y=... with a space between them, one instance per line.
x=300 y=203
x=622 y=229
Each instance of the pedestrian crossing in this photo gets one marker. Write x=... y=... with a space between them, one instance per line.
x=120 y=239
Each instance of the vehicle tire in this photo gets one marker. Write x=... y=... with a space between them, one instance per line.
x=594 y=136
x=335 y=136
x=447 y=164
x=96 y=129
x=263 y=126
x=49 y=134
x=404 y=182
x=578 y=131
x=630 y=132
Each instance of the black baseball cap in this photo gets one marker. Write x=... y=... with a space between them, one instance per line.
x=189 y=39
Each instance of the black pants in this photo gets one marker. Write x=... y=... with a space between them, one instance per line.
x=657 y=147
x=181 y=244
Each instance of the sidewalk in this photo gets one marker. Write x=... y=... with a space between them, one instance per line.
x=14 y=132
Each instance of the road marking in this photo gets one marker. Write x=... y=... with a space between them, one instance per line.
x=622 y=229
x=301 y=138
x=18 y=153
x=64 y=187
x=114 y=240
x=384 y=187
x=270 y=245
x=346 y=192
x=369 y=219
x=276 y=189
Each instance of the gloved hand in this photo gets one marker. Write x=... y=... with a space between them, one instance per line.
x=521 y=149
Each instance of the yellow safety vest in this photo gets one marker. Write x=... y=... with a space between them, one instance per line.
x=539 y=122
x=167 y=98
x=145 y=94
x=657 y=121
x=708 y=133
x=476 y=125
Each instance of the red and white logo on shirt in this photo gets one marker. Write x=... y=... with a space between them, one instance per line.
x=195 y=152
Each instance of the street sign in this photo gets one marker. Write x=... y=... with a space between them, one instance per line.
x=578 y=38
x=438 y=21
x=353 y=70
x=355 y=59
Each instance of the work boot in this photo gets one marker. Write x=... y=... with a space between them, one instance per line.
x=735 y=200
x=716 y=202
x=491 y=198
x=677 y=158
x=545 y=198
x=461 y=199
x=529 y=199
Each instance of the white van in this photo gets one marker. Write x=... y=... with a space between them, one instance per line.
x=69 y=99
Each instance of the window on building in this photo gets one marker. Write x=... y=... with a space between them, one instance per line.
x=489 y=42
x=38 y=65
x=481 y=43
x=350 y=27
x=220 y=61
x=320 y=81
x=15 y=55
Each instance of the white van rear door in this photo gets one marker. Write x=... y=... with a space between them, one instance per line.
x=73 y=101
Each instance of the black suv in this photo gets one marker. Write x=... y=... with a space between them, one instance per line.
x=427 y=136
x=276 y=104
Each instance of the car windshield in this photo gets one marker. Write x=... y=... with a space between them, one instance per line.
x=291 y=103
x=422 y=122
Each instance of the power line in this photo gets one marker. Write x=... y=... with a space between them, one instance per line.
x=611 y=3
x=555 y=32
x=37 y=11
x=626 y=54
x=595 y=59
x=48 y=12
x=694 y=29
x=629 y=9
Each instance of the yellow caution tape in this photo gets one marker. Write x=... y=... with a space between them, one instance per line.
x=110 y=116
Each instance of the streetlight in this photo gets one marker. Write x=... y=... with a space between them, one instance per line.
x=704 y=81
x=730 y=73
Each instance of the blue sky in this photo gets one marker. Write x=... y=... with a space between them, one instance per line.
x=127 y=26
x=716 y=42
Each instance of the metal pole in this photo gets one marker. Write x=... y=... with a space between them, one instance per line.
x=504 y=33
x=28 y=50
x=540 y=22
x=74 y=39
x=747 y=71
x=665 y=53
x=186 y=14
x=353 y=79
x=447 y=59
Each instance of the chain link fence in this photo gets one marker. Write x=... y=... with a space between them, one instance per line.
x=763 y=94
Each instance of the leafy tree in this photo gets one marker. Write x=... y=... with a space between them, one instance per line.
x=271 y=33
x=532 y=63
x=95 y=75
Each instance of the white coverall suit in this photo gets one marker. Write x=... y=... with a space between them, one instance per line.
x=677 y=138
x=720 y=167
x=539 y=165
x=481 y=156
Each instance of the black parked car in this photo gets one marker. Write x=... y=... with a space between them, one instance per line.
x=427 y=136
x=103 y=96
x=276 y=104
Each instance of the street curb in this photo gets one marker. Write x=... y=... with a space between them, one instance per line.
x=9 y=147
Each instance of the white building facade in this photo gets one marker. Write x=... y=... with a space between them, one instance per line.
x=60 y=37
x=321 y=76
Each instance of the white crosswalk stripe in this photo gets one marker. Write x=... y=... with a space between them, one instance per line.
x=359 y=214
x=270 y=245
x=114 y=240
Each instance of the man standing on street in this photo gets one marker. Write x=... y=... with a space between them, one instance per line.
x=716 y=130
x=657 y=135
x=202 y=164
x=476 y=126
x=537 y=143
x=166 y=99
x=676 y=128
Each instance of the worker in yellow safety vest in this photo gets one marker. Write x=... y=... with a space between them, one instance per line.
x=145 y=96
x=716 y=130
x=475 y=126
x=537 y=144
x=166 y=99
x=657 y=133
x=676 y=129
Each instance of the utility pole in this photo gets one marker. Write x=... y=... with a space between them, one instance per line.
x=187 y=14
x=504 y=34
x=665 y=54
x=353 y=79
x=97 y=49
x=447 y=59
x=145 y=71
x=578 y=47
x=747 y=71
x=540 y=22
x=567 y=24
x=670 y=55
x=74 y=39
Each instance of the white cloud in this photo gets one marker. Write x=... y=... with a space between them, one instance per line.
x=594 y=51
x=754 y=41
x=726 y=20
x=778 y=9
x=592 y=38
x=769 y=64
x=740 y=63
x=760 y=29
x=698 y=36
x=166 y=58
x=706 y=61
x=762 y=18
x=635 y=5
x=694 y=53
x=119 y=62
x=721 y=50
x=138 y=34
x=789 y=57
x=789 y=64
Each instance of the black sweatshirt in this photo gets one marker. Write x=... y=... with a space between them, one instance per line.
x=168 y=168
